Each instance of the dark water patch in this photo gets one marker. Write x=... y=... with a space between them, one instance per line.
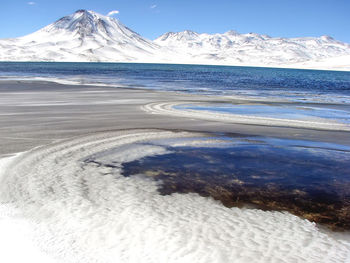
x=310 y=182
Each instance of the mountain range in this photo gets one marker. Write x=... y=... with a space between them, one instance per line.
x=89 y=36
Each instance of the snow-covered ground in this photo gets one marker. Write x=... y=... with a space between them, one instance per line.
x=89 y=36
x=332 y=63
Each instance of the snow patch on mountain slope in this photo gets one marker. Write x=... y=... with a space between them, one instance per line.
x=333 y=63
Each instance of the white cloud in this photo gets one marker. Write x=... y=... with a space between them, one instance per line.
x=114 y=12
x=153 y=6
x=31 y=3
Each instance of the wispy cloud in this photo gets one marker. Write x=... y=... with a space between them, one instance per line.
x=31 y=3
x=153 y=6
x=114 y=12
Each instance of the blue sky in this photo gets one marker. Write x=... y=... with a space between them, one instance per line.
x=151 y=18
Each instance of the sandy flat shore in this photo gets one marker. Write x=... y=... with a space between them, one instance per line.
x=34 y=113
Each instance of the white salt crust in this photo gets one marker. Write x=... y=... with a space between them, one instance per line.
x=80 y=211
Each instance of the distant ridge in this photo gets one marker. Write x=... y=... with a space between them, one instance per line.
x=89 y=36
x=252 y=49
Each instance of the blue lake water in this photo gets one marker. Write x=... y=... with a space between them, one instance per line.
x=291 y=84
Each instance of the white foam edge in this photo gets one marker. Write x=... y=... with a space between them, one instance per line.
x=64 y=81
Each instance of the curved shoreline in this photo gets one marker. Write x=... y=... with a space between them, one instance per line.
x=168 y=108
x=77 y=204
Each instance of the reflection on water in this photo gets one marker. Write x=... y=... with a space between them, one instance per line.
x=306 y=178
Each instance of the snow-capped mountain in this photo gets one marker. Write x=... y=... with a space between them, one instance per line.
x=89 y=36
x=252 y=49
x=82 y=36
